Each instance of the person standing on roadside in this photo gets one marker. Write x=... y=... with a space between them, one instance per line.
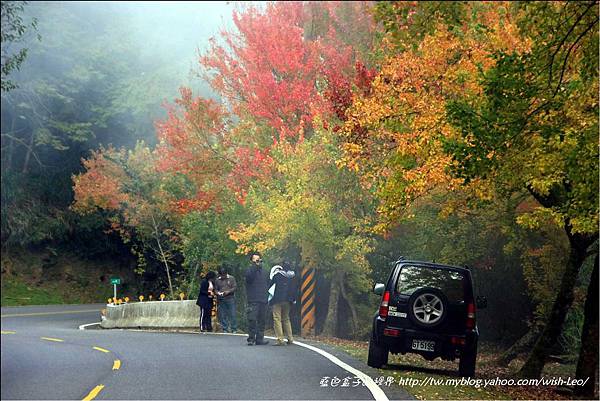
x=281 y=297
x=205 y=301
x=225 y=286
x=257 y=282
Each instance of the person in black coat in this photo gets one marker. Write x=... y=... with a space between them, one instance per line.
x=282 y=294
x=205 y=301
x=257 y=285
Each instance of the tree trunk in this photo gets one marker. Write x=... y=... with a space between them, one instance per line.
x=330 y=327
x=162 y=254
x=587 y=365
x=28 y=154
x=344 y=295
x=193 y=280
x=535 y=363
x=11 y=144
x=522 y=345
x=166 y=268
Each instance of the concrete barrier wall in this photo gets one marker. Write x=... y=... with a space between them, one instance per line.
x=171 y=314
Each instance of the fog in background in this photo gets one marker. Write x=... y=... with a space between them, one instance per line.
x=171 y=32
x=130 y=57
x=97 y=74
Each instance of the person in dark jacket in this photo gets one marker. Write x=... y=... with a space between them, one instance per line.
x=282 y=295
x=257 y=282
x=205 y=301
x=225 y=287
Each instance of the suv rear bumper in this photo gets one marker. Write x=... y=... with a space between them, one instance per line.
x=399 y=340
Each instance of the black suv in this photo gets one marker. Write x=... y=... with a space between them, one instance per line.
x=427 y=309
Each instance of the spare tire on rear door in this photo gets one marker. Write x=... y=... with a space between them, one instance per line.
x=427 y=307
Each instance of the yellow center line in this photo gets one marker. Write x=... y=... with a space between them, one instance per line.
x=116 y=365
x=58 y=340
x=101 y=349
x=94 y=392
x=7 y=332
x=50 y=313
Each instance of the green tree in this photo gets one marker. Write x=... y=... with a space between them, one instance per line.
x=535 y=128
x=319 y=209
x=14 y=31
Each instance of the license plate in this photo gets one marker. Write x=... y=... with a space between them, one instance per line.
x=423 y=345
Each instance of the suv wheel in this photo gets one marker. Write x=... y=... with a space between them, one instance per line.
x=378 y=355
x=466 y=366
x=427 y=307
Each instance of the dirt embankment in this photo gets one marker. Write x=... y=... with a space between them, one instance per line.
x=39 y=277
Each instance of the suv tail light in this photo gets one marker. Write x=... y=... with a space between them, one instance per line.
x=383 y=308
x=457 y=341
x=391 y=332
x=471 y=315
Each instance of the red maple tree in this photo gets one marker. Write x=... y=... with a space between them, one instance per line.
x=284 y=65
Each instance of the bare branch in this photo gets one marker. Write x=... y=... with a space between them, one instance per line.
x=30 y=148
x=564 y=39
x=564 y=67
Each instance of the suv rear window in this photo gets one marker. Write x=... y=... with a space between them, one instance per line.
x=450 y=282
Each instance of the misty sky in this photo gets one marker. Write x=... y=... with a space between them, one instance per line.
x=144 y=51
x=164 y=33
x=176 y=29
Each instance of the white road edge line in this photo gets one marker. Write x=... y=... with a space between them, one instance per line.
x=376 y=391
x=83 y=326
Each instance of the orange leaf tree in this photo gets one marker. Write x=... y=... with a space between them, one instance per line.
x=135 y=196
x=394 y=134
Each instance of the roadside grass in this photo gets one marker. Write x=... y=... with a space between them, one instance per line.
x=411 y=366
x=28 y=278
x=22 y=291
x=18 y=293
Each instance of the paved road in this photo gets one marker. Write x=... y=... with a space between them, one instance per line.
x=45 y=356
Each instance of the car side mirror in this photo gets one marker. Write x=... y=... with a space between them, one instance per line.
x=481 y=302
x=379 y=288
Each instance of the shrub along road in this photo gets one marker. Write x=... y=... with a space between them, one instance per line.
x=45 y=356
